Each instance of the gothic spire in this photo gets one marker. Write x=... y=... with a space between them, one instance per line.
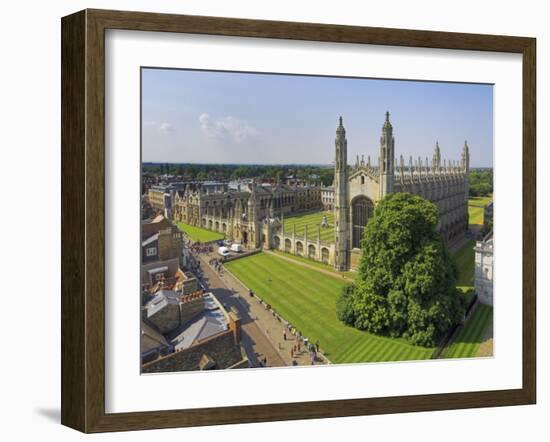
x=340 y=130
x=465 y=157
x=387 y=124
x=436 y=161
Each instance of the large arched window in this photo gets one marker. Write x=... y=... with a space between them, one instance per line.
x=362 y=209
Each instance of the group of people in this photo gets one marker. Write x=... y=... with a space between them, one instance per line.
x=217 y=264
x=200 y=248
x=301 y=342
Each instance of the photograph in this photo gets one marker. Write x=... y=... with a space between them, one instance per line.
x=295 y=220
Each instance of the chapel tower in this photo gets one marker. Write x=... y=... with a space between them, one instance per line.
x=387 y=158
x=341 y=198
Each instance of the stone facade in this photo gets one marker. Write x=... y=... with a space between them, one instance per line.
x=241 y=213
x=327 y=198
x=160 y=240
x=308 y=245
x=483 y=276
x=360 y=187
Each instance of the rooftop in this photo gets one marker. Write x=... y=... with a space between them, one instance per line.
x=211 y=321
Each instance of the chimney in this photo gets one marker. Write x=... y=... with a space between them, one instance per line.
x=235 y=325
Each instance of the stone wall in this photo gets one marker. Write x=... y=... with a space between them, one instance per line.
x=166 y=319
x=222 y=349
x=190 y=309
x=308 y=248
x=149 y=229
x=172 y=264
x=190 y=285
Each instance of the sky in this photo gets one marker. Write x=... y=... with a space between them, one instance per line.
x=248 y=118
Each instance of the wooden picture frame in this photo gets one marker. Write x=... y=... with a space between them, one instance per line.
x=83 y=219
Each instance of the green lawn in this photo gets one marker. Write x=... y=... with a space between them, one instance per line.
x=307 y=299
x=198 y=234
x=467 y=342
x=464 y=260
x=311 y=262
x=311 y=220
x=475 y=208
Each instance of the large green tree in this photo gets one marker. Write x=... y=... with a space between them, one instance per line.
x=405 y=284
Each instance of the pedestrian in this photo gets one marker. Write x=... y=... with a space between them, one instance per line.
x=299 y=346
x=292 y=352
x=317 y=345
x=265 y=361
x=284 y=335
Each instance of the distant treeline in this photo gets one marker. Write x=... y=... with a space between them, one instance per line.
x=222 y=172
x=481 y=182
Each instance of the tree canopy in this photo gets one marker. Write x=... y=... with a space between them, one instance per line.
x=481 y=182
x=312 y=174
x=405 y=284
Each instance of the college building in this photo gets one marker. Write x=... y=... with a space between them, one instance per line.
x=253 y=214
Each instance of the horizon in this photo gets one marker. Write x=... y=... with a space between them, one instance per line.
x=214 y=117
x=327 y=165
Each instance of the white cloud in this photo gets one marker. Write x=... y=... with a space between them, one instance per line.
x=166 y=127
x=161 y=126
x=226 y=127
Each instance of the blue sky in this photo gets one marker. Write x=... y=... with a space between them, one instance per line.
x=222 y=117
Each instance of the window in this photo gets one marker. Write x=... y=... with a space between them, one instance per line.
x=151 y=251
x=362 y=210
x=159 y=276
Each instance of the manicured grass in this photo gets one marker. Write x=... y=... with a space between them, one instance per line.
x=317 y=264
x=198 y=234
x=311 y=220
x=475 y=208
x=468 y=340
x=307 y=299
x=464 y=260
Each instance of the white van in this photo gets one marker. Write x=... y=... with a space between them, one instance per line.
x=223 y=251
x=236 y=248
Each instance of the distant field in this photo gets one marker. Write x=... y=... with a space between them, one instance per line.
x=468 y=340
x=311 y=220
x=475 y=208
x=307 y=299
x=198 y=234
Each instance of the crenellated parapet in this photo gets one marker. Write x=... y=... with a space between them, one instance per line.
x=419 y=172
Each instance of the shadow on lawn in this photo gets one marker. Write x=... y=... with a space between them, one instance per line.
x=482 y=336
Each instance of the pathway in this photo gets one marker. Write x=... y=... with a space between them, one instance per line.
x=262 y=331
x=309 y=266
